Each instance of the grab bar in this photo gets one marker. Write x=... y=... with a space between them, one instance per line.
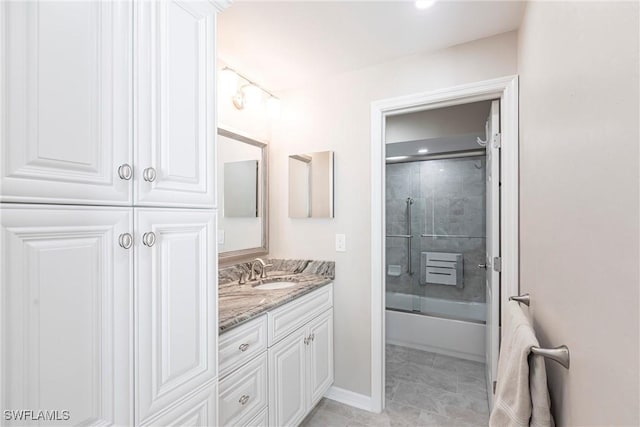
x=403 y=236
x=409 y=266
x=453 y=236
x=557 y=354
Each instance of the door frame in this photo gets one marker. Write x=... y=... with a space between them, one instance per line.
x=505 y=89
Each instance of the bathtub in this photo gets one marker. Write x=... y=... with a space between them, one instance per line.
x=453 y=328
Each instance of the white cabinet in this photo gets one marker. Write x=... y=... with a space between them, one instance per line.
x=67 y=294
x=66 y=102
x=176 y=313
x=301 y=365
x=175 y=127
x=108 y=103
x=320 y=357
x=287 y=380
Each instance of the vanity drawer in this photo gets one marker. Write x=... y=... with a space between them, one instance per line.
x=293 y=315
x=243 y=394
x=242 y=344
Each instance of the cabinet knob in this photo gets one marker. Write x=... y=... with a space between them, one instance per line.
x=244 y=399
x=125 y=172
x=149 y=174
x=149 y=238
x=125 y=240
x=243 y=347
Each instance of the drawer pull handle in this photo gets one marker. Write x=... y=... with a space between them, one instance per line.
x=243 y=347
x=244 y=399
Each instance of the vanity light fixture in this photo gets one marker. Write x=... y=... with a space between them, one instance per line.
x=424 y=4
x=249 y=94
x=423 y=151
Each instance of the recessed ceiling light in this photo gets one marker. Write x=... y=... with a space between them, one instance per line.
x=424 y=4
x=423 y=151
x=397 y=157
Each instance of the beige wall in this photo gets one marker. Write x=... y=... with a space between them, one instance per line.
x=334 y=114
x=578 y=65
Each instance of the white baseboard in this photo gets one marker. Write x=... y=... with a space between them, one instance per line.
x=350 y=398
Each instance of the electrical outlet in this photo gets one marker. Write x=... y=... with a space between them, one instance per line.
x=341 y=243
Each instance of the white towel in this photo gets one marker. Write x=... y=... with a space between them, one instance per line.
x=522 y=398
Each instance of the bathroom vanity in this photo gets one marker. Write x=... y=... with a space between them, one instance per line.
x=276 y=343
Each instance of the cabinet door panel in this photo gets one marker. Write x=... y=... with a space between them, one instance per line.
x=66 y=102
x=197 y=410
x=175 y=124
x=320 y=360
x=287 y=382
x=176 y=306
x=68 y=297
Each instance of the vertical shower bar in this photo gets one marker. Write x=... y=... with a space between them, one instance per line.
x=409 y=266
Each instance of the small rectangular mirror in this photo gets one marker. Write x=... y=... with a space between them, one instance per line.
x=241 y=189
x=242 y=197
x=311 y=185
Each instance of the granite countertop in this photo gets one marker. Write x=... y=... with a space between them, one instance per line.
x=240 y=303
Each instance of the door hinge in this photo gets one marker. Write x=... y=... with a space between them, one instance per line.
x=497 y=140
x=497 y=264
x=494 y=387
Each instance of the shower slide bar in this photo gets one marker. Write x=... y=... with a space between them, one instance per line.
x=557 y=354
x=402 y=236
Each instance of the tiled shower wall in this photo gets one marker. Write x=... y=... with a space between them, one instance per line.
x=449 y=199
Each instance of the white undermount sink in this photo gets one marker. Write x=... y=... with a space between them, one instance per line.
x=275 y=283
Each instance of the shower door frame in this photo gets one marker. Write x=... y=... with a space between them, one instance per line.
x=506 y=90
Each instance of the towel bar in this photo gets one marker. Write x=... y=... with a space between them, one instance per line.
x=524 y=299
x=557 y=354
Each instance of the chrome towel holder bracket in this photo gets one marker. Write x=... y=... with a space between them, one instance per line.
x=557 y=354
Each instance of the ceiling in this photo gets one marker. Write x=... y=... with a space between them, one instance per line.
x=283 y=45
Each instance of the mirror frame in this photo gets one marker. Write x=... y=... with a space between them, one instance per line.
x=232 y=257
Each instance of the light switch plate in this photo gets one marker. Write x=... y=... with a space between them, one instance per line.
x=341 y=243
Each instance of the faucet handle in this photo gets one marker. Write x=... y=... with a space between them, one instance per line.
x=263 y=275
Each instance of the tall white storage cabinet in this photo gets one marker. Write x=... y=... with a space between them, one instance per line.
x=108 y=292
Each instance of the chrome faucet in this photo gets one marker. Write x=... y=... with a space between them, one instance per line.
x=263 y=269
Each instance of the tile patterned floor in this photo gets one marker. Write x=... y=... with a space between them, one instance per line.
x=423 y=389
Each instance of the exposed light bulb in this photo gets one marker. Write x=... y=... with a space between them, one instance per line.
x=424 y=4
x=273 y=107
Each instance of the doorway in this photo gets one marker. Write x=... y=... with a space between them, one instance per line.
x=504 y=142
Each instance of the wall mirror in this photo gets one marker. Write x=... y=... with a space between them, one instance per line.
x=242 y=197
x=311 y=185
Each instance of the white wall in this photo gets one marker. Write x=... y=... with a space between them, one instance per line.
x=334 y=114
x=578 y=65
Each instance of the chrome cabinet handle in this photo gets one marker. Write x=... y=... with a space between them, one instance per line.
x=243 y=347
x=244 y=399
x=149 y=174
x=149 y=238
x=125 y=172
x=306 y=341
x=125 y=240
